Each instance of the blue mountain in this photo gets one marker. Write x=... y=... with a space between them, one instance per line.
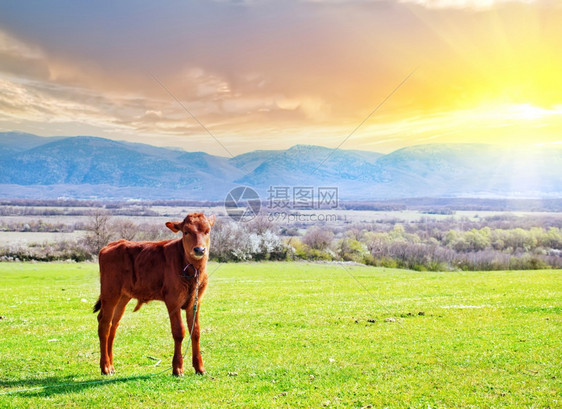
x=90 y=167
x=14 y=142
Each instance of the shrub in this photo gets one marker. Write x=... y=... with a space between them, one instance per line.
x=349 y=249
x=318 y=239
x=235 y=242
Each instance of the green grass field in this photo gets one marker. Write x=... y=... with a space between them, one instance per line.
x=292 y=335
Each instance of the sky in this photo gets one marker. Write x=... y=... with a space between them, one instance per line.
x=228 y=77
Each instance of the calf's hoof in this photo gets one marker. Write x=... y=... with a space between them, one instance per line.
x=177 y=372
x=200 y=371
x=107 y=370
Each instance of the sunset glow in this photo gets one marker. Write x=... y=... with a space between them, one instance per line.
x=269 y=75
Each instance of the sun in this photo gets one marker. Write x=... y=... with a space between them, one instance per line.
x=528 y=112
x=513 y=113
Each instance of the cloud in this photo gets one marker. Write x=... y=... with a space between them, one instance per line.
x=63 y=89
x=34 y=101
x=11 y=46
x=273 y=70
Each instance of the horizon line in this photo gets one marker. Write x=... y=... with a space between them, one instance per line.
x=179 y=148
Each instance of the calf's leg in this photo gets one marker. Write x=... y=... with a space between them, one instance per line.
x=117 y=315
x=105 y=317
x=178 y=332
x=194 y=328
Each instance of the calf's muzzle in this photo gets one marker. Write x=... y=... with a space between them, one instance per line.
x=199 y=251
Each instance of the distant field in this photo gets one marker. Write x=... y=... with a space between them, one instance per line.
x=8 y=238
x=309 y=217
x=292 y=335
x=342 y=217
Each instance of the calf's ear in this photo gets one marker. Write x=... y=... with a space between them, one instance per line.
x=211 y=219
x=174 y=226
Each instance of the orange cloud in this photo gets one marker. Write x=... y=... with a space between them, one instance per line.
x=282 y=72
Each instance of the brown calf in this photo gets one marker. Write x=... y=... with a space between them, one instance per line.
x=168 y=271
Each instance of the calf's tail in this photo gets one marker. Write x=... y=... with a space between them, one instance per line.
x=97 y=306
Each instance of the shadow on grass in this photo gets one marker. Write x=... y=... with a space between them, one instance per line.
x=54 y=385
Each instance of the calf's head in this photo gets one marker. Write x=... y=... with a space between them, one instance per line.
x=196 y=229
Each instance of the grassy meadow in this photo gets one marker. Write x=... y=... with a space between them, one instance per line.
x=292 y=335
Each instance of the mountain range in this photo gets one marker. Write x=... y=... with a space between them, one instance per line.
x=92 y=167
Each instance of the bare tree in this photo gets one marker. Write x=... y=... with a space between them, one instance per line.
x=153 y=232
x=125 y=229
x=260 y=224
x=99 y=232
x=318 y=239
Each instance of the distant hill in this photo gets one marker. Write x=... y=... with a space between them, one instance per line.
x=89 y=161
x=475 y=170
x=310 y=165
x=14 y=142
x=251 y=160
x=91 y=167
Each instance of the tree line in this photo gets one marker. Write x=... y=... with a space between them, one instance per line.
x=490 y=243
